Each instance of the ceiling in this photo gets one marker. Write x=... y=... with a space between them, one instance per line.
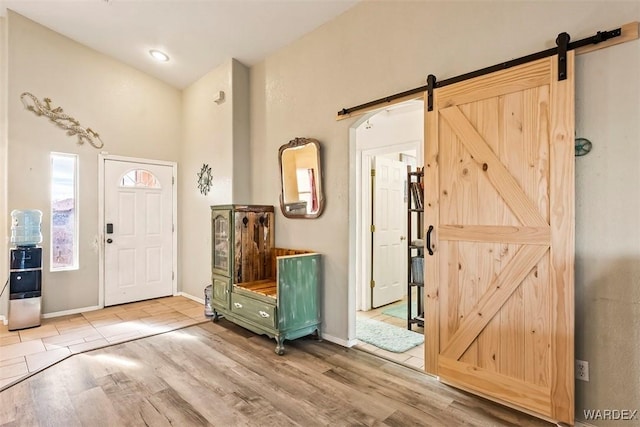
x=198 y=35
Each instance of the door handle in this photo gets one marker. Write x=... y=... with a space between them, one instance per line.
x=429 y=240
x=403 y=238
x=109 y=240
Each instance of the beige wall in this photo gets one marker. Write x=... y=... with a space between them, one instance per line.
x=213 y=134
x=380 y=48
x=608 y=228
x=4 y=213
x=134 y=114
x=241 y=135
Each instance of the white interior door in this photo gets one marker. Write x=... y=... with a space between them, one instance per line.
x=138 y=217
x=389 y=238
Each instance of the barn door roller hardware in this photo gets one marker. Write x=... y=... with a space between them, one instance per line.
x=563 y=46
x=431 y=85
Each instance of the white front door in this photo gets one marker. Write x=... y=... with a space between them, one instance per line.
x=389 y=238
x=138 y=217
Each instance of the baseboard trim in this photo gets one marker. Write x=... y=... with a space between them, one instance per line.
x=68 y=312
x=97 y=307
x=191 y=297
x=4 y=320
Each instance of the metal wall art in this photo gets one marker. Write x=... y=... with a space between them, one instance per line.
x=583 y=146
x=204 y=179
x=66 y=122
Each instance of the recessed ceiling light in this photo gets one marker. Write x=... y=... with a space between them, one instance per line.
x=159 y=56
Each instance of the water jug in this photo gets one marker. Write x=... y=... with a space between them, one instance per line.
x=25 y=227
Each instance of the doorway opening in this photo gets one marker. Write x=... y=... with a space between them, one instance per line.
x=138 y=242
x=386 y=144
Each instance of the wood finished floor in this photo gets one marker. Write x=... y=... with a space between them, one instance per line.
x=26 y=351
x=222 y=375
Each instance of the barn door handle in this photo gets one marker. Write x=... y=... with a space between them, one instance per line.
x=429 y=240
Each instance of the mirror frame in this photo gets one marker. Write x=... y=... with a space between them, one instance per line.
x=294 y=143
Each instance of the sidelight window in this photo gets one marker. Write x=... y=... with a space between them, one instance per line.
x=64 y=212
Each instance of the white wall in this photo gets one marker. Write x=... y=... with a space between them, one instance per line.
x=213 y=134
x=135 y=115
x=392 y=127
x=379 y=48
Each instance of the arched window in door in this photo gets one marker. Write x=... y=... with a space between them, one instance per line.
x=139 y=178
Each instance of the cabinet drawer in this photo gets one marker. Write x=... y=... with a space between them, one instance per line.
x=256 y=311
x=220 y=294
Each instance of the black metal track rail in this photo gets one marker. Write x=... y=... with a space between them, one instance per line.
x=563 y=46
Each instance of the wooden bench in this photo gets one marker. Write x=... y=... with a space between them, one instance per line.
x=269 y=287
x=285 y=306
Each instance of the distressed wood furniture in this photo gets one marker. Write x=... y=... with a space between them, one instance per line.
x=267 y=290
x=242 y=240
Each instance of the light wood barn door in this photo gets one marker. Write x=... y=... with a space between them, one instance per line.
x=499 y=180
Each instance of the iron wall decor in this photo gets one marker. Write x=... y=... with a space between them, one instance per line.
x=204 y=179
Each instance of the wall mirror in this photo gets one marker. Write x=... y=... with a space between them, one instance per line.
x=301 y=179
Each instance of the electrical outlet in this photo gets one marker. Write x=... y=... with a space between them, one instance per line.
x=582 y=370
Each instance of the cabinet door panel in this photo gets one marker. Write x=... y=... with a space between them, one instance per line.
x=221 y=256
x=298 y=291
x=221 y=292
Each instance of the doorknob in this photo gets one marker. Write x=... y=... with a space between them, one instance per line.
x=403 y=238
x=109 y=240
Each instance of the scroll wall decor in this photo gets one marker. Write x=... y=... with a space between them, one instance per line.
x=66 y=122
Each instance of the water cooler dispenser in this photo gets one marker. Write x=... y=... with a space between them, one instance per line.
x=25 y=270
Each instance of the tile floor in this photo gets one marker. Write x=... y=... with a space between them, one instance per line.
x=413 y=357
x=27 y=351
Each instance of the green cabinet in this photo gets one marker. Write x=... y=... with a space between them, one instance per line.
x=221 y=289
x=242 y=238
x=270 y=291
x=261 y=313
x=221 y=238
